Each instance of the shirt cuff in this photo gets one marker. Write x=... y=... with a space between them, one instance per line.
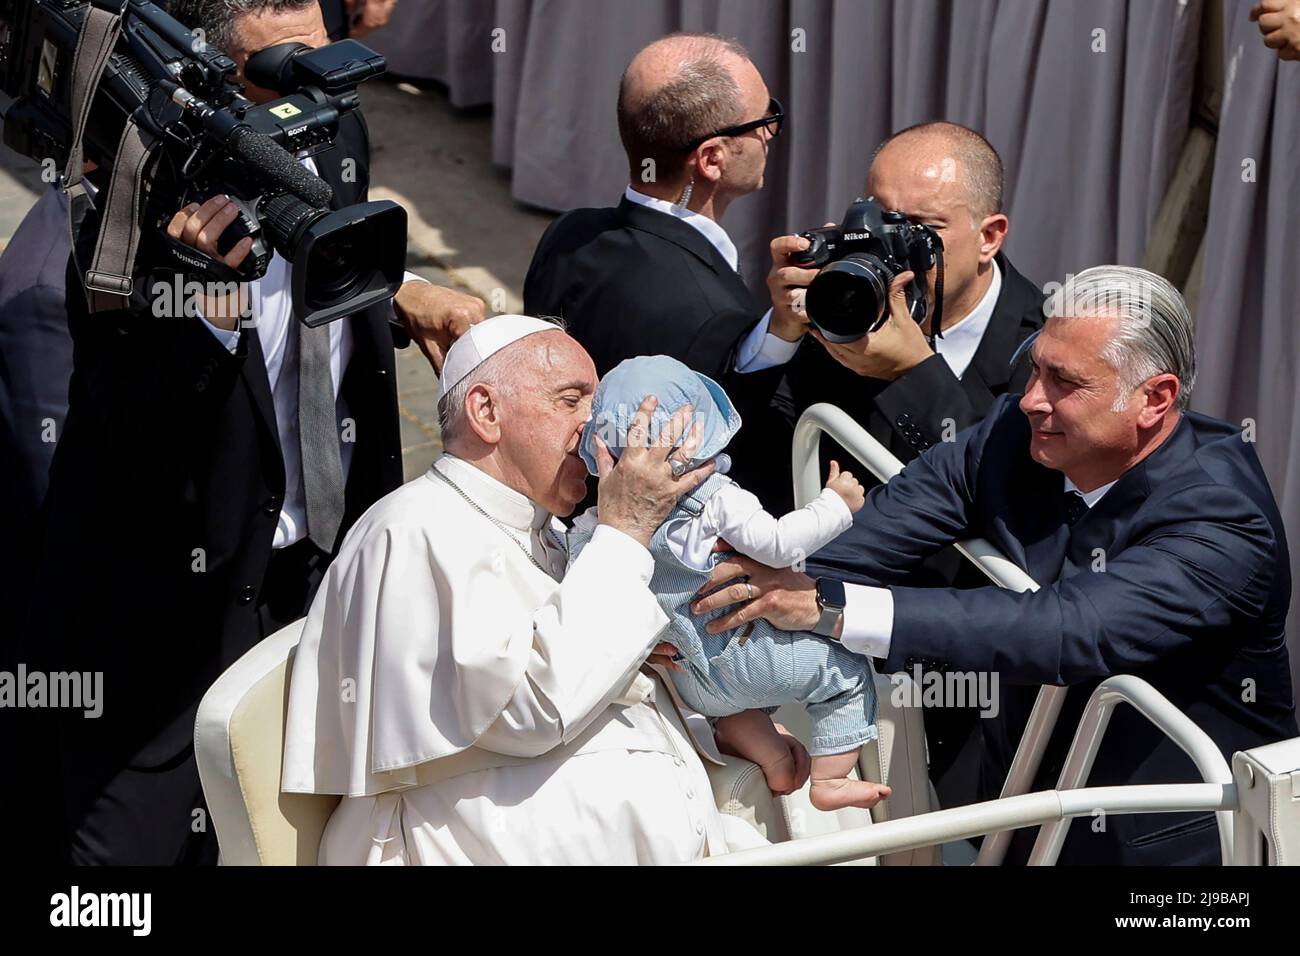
x=761 y=350
x=409 y=276
x=868 y=620
x=619 y=547
x=227 y=337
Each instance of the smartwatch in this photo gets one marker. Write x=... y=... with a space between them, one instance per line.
x=830 y=601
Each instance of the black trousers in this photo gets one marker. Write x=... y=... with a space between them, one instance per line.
x=156 y=816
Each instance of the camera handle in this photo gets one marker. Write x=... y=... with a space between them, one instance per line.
x=197 y=264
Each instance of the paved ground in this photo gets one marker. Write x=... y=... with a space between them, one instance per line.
x=465 y=230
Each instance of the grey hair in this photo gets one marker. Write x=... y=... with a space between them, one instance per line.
x=217 y=18
x=499 y=372
x=1154 y=335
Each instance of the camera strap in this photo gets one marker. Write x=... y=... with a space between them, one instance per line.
x=108 y=281
x=936 y=323
x=196 y=264
x=98 y=35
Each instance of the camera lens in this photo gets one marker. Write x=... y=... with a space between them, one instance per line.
x=847 y=299
x=348 y=260
x=334 y=270
x=285 y=218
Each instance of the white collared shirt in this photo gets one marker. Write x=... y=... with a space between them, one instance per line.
x=958 y=344
x=706 y=227
x=1090 y=498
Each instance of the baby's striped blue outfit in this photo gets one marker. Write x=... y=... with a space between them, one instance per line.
x=727 y=673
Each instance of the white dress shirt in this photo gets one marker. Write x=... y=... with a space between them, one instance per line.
x=760 y=349
x=271 y=308
x=1090 y=498
x=709 y=229
x=869 y=611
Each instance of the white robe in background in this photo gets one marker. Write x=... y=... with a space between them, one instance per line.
x=434 y=637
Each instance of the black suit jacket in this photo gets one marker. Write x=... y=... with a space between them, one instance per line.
x=920 y=407
x=163 y=503
x=631 y=280
x=35 y=364
x=1179 y=575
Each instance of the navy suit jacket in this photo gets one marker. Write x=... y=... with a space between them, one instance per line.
x=1178 y=575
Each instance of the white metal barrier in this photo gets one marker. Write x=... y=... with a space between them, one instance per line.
x=1009 y=813
x=1015 y=808
x=1003 y=572
x=1177 y=726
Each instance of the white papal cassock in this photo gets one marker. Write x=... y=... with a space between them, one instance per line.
x=471 y=708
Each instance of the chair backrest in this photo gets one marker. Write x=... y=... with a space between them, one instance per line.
x=239 y=747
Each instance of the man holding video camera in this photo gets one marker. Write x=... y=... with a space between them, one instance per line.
x=209 y=469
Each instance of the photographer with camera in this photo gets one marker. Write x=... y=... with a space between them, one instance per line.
x=910 y=388
x=908 y=393
x=218 y=448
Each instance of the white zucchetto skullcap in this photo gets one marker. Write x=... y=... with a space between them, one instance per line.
x=484 y=340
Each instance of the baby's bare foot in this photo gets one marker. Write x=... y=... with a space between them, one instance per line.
x=836 y=793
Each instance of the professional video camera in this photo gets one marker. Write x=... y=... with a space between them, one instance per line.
x=859 y=260
x=209 y=139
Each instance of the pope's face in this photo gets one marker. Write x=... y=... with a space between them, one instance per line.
x=543 y=424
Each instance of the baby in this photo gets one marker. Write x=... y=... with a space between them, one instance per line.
x=758 y=666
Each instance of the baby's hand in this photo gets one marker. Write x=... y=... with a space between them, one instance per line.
x=847 y=487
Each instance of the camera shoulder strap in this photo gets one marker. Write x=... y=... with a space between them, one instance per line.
x=98 y=35
x=109 y=279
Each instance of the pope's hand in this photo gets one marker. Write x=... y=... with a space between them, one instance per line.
x=636 y=494
x=784 y=597
x=436 y=317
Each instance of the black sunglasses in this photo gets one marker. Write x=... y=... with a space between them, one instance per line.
x=774 y=119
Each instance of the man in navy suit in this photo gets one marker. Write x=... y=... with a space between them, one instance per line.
x=1151 y=530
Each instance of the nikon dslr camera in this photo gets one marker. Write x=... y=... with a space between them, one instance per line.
x=859 y=260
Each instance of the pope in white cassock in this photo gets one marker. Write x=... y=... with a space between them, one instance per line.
x=469 y=705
